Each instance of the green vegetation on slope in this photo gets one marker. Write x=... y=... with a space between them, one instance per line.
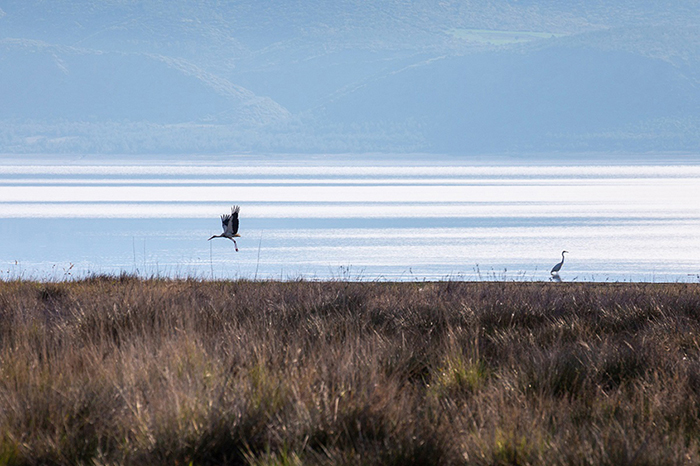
x=114 y=370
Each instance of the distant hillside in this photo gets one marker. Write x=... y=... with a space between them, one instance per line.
x=350 y=76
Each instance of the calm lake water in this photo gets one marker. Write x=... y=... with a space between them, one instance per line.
x=366 y=218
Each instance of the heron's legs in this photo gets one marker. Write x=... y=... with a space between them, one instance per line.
x=234 y=244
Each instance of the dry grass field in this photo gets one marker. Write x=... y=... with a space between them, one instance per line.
x=119 y=370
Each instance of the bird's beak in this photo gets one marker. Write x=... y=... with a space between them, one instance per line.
x=211 y=238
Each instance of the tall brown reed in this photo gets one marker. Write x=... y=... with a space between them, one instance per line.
x=117 y=370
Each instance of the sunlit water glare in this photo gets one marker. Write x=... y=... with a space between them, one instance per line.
x=350 y=218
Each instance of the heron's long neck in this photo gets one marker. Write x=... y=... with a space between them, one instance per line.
x=562 y=257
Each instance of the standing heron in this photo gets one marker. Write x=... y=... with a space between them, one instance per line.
x=557 y=268
x=229 y=222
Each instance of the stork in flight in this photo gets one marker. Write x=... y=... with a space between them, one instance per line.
x=230 y=224
x=557 y=268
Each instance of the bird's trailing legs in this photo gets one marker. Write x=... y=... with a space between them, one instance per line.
x=224 y=236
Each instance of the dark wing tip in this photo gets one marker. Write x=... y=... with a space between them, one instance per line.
x=234 y=223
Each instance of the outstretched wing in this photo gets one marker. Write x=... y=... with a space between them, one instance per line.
x=230 y=222
x=225 y=219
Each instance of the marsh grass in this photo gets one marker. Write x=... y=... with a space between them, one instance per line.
x=120 y=370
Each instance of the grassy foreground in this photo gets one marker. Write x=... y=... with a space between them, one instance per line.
x=114 y=370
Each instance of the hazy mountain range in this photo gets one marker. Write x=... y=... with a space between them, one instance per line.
x=129 y=76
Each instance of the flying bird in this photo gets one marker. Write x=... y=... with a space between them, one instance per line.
x=557 y=268
x=229 y=222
